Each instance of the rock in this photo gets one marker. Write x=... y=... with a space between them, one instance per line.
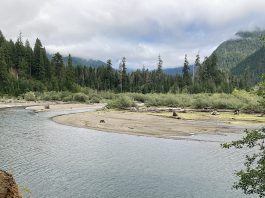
x=236 y=112
x=183 y=111
x=8 y=186
x=215 y=112
x=133 y=109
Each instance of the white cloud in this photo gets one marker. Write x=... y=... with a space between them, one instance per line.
x=136 y=29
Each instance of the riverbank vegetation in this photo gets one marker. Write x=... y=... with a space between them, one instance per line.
x=238 y=99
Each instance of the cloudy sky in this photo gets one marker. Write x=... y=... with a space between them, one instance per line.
x=140 y=30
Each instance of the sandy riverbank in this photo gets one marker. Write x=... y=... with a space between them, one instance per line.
x=149 y=124
x=40 y=106
x=10 y=103
x=65 y=106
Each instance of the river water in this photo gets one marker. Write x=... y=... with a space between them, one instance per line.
x=54 y=160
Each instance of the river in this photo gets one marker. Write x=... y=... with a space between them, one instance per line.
x=54 y=160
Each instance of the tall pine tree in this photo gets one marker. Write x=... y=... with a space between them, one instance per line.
x=186 y=73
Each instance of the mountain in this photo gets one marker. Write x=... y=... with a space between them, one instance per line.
x=176 y=70
x=173 y=71
x=85 y=62
x=252 y=67
x=232 y=52
x=82 y=61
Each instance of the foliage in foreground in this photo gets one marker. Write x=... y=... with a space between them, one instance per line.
x=252 y=178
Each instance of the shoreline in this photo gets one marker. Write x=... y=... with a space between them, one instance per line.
x=159 y=125
x=43 y=106
x=65 y=106
x=158 y=122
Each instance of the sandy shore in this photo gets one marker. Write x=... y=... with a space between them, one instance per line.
x=147 y=124
x=9 y=104
x=65 y=106
x=40 y=106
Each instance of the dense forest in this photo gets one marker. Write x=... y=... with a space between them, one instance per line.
x=252 y=67
x=23 y=69
x=233 y=51
x=243 y=57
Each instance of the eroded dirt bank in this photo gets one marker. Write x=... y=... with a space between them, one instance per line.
x=8 y=186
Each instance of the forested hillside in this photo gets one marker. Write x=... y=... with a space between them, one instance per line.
x=251 y=68
x=81 y=61
x=230 y=53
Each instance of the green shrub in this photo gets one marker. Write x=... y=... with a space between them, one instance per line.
x=200 y=101
x=30 y=96
x=52 y=95
x=138 y=96
x=122 y=102
x=80 y=97
x=68 y=98
x=95 y=99
x=107 y=95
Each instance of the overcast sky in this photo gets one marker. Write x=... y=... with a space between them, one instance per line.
x=140 y=30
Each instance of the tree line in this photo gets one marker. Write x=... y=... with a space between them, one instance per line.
x=23 y=69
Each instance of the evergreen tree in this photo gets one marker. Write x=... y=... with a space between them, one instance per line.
x=197 y=66
x=159 y=85
x=4 y=76
x=109 y=75
x=123 y=75
x=59 y=70
x=38 y=70
x=28 y=57
x=70 y=78
x=186 y=73
x=19 y=51
x=160 y=64
x=2 y=38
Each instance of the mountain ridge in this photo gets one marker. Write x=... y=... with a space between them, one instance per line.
x=82 y=61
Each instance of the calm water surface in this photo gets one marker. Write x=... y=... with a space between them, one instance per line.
x=54 y=160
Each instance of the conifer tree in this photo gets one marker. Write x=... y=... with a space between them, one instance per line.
x=38 y=70
x=186 y=73
x=160 y=64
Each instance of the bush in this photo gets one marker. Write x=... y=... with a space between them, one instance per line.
x=68 y=98
x=95 y=99
x=169 y=100
x=80 y=97
x=201 y=101
x=122 y=102
x=30 y=96
x=138 y=97
x=225 y=101
x=107 y=95
x=52 y=95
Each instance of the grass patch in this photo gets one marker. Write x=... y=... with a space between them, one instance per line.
x=242 y=118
